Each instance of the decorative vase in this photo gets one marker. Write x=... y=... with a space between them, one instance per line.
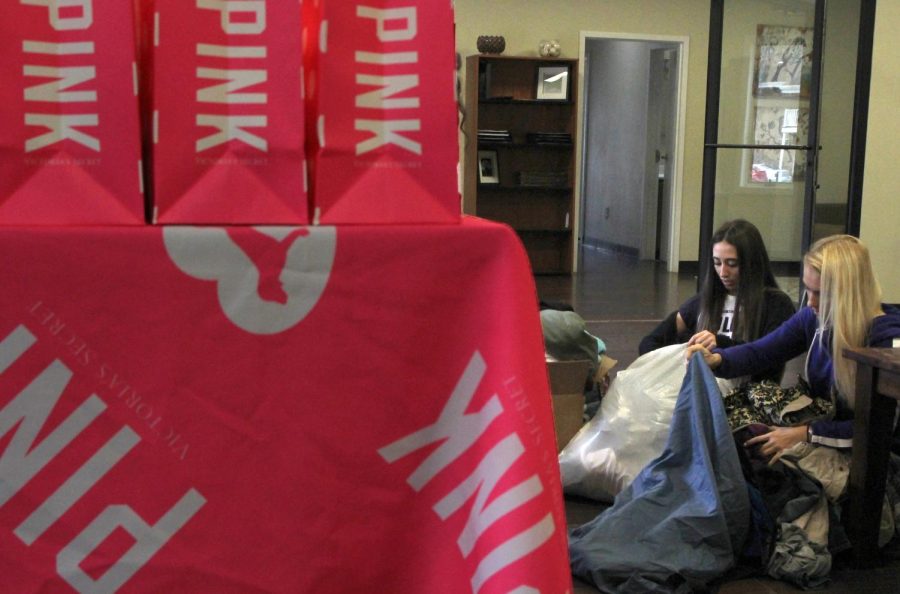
x=491 y=44
x=549 y=49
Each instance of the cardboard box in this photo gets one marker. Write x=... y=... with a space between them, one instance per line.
x=567 y=380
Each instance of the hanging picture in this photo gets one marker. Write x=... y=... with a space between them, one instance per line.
x=553 y=83
x=487 y=167
x=783 y=61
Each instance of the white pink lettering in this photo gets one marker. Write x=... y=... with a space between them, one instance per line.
x=149 y=539
x=80 y=18
x=391 y=25
x=64 y=78
x=26 y=414
x=237 y=79
x=77 y=485
x=237 y=17
x=231 y=128
x=387 y=86
x=233 y=17
x=63 y=15
x=386 y=132
x=61 y=127
x=456 y=431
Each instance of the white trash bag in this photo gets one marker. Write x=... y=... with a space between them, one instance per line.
x=631 y=427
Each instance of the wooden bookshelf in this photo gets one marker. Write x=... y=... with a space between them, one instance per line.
x=530 y=141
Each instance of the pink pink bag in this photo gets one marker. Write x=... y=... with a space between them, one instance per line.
x=381 y=133
x=228 y=115
x=69 y=123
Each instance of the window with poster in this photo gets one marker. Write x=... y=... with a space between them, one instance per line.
x=778 y=113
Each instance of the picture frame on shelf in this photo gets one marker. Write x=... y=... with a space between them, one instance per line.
x=488 y=172
x=552 y=83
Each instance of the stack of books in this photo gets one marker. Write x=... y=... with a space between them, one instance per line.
x=561 y=138
x=494 y=136
x=543 y=179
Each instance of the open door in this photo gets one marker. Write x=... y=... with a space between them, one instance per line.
x=658 y=190
x=632 y=121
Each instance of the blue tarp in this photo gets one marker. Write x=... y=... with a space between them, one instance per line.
x=682 y=521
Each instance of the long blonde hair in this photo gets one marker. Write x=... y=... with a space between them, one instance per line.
x=849 y=298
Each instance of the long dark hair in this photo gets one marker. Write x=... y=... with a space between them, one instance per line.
x=755 y=279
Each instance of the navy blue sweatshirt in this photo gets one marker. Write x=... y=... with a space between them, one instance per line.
x=794 y=337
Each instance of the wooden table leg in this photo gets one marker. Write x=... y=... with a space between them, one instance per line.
x=873 y=422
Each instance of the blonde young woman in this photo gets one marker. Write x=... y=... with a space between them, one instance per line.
x=843 y=309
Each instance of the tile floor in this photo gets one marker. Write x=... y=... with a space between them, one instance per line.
x=621 y=299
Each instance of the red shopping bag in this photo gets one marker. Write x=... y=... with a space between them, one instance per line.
x=69 y=124
x=228 y=114
x=381 y=113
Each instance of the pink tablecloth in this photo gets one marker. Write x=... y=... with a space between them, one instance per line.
x=248 y=410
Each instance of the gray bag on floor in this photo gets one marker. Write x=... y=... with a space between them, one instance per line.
x=567 y=339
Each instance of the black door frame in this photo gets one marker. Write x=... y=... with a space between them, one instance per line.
x=860 y=114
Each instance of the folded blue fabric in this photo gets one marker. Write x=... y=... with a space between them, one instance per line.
x=683 y=520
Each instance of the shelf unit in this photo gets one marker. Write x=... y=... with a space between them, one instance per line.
x=532 y=187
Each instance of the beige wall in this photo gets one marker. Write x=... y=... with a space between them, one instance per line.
x=526 y=22
x=880 y=227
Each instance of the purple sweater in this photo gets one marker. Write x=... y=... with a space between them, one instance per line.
x=794 y=337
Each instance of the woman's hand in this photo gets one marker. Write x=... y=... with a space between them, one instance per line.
x=704 y=338
x=712 y=359
x=774 y=443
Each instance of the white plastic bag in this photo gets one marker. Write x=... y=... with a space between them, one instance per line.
x=631 y=427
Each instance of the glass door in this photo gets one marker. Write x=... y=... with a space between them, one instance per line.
x=761 y=147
